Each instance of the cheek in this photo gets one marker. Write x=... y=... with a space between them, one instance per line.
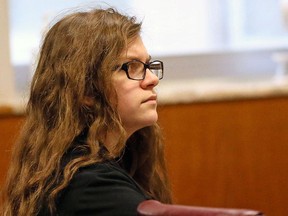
x=128 y=99
x=128 y=95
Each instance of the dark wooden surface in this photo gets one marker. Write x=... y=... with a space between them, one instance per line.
x=229 y=154
x=9 y=128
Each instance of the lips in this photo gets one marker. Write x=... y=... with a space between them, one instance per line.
x=151 y=98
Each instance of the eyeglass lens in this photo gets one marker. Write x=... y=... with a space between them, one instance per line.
x=157 y=69
x=136 y=69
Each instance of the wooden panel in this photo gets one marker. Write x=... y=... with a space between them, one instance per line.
x=9 y=128
x=224 y=154
x=229 y=154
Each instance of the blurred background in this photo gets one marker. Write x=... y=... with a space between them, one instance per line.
x=189 y=29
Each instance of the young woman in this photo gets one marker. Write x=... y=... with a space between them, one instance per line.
x=90 y=144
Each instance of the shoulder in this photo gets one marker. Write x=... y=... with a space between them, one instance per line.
x=102 y=189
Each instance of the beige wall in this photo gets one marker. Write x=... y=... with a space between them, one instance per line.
x=7 y=94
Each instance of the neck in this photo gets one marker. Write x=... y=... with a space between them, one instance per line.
x=111 y=141
x=113 y=137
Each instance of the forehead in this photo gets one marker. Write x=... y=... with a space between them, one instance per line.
x=136 y=50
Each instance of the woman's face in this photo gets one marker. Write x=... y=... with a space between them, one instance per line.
x=137 y=99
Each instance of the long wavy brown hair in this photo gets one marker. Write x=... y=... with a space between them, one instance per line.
x=76 y=61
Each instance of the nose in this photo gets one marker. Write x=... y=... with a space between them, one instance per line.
x=150 y=79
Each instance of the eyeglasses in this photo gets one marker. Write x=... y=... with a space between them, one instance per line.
x=136 y=70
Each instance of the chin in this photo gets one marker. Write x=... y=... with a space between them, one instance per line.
x=152 y=119
x=145 y=120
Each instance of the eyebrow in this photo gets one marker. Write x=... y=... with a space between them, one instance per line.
x=137 y=58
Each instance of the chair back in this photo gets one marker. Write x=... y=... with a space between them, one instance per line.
x=155 y=208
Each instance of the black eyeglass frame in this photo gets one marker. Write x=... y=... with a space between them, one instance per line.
x=124 y=67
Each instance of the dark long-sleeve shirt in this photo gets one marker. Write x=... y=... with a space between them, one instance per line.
x=103 y=189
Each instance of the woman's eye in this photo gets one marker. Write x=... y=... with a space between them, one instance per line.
x=134 y=66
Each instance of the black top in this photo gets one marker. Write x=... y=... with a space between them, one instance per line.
x=102 y=189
